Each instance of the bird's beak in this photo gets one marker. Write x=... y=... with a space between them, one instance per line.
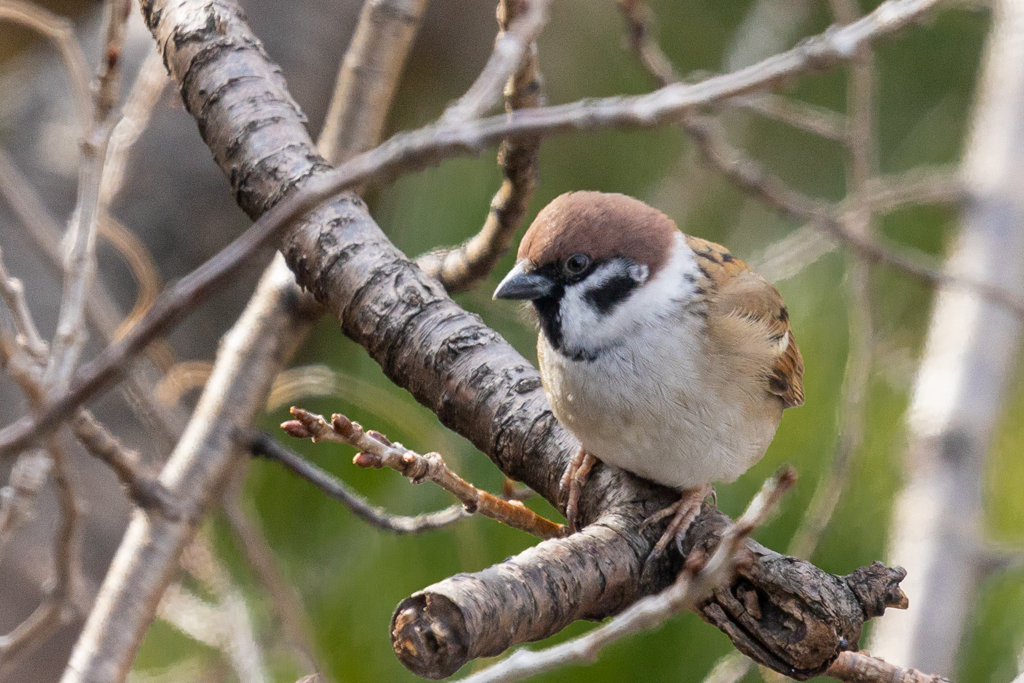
x=520 y=284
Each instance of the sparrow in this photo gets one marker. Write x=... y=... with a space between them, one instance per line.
x=662 y=353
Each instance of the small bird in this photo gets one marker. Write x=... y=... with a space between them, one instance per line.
x=662 y=353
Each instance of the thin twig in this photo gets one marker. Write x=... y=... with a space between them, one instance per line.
x=45 y=233
x=377 y=452
x=860 y=667
x=461 y=268
x=12 y=291
x=26 y=368
x=80 y=267
x=730 y=669
x=227 y=625
x=883 y=195
x=409 y=151
x=57 y=605
x=512 y=47
x=689 y=589
x=136 y=114
x=264 y=445
x=145 y=490
x=811 y=118
x=637 y=17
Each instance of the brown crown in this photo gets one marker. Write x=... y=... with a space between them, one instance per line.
x=601 y=225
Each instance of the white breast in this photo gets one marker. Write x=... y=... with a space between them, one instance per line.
x=656 y=403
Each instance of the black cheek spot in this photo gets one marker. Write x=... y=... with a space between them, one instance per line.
x=727 y=257
x=783 y=314
x=610 y=293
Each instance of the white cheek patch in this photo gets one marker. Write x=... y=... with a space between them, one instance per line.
x=639 y=273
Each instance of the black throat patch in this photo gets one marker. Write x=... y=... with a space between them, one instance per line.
x=549 y=314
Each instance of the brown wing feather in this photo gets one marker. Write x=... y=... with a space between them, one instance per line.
x=742 y=293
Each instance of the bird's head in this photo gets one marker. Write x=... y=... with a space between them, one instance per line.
x=598 y=268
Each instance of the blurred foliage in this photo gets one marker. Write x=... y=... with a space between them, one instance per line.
x=350 y=577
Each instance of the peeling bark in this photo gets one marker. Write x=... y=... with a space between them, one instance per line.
x=783 y=612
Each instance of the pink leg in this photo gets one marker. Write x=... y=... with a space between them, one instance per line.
x=572 y=482
x=684 y=511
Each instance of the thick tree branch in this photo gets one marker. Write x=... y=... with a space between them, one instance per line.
x=693 y=585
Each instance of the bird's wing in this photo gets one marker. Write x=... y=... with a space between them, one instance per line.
x=741 y=293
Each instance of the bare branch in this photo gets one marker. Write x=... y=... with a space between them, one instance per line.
x=146 y=491
x=689 y=589
x=730 y=669
x=368 y=77
x=80 y=267
x=463 y=267
x=250 y=356
x=12 y=291
x=264 y=445
x=378 y=452
x=138 y=109
x=816 y=120
x=637 y=17
x=882 y=195
x=45 y=233
x=226 y=624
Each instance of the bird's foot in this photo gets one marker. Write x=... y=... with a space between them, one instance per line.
x=571 y=484
x=683 y=512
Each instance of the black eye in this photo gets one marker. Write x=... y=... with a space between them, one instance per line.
x=576 y=264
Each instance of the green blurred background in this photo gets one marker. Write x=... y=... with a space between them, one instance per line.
x=350 y=576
